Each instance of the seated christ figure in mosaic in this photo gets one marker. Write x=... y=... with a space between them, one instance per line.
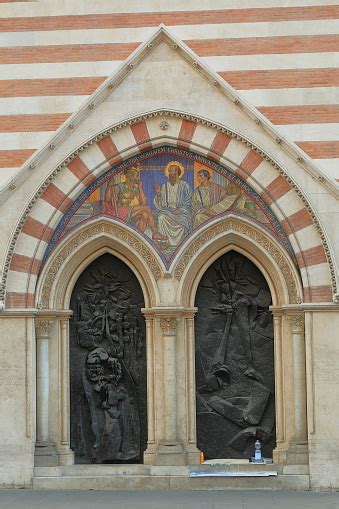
x=127 y=201
x=173 y=201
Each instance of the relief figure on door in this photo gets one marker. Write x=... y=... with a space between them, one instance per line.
x=108 y=365
x=234 y=359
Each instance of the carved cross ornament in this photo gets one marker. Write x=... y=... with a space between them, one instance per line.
x=297 y=322
x=168 y=325
x=42 y=327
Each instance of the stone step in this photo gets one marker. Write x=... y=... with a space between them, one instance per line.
x=169 y=482
x=238 y=467
x=96 y=470
x=296 y=469
x=107 y=470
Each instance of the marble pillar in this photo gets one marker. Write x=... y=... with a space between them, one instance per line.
x=192 y=452
x=298 y=452
x=151 y=389
x=168 y=327
x=170 y=450
x=299 y=378
x=279 y=453
x=66 y=455
x=42 y=381
x=45 y=451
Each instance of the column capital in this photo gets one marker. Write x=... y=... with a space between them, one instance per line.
x=42 y=326
x=277 y=311
x=168 y=324
x=297 y=322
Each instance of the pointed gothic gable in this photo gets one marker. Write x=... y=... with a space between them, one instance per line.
x=161 y=73
x=164 y=95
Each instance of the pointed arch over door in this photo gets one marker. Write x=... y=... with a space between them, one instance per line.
x=219 y=144
x=234 y=348
x=108 y=379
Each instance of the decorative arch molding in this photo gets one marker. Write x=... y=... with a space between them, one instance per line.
x=250 y=240
x=151 y=130
x=84 y=245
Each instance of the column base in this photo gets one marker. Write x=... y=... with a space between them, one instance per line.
x=294 y=454
x=192 y=455
x=45 y=455
x=177 y=455
x=279 y=454
x=66 y=456
x=150 y=453
x=170 y=453
x=297 y=454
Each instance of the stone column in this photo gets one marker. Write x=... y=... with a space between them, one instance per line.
x=191 y=389
x=42 y=381
x=168 y=326
x=66 y=455
x=170 y=451
x=298 y=453
x=192 y=452
x=45 y=451
x=299 y=377
x=151 y=384
x=279 y=453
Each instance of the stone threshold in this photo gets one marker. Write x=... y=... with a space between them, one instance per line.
x=149 y=477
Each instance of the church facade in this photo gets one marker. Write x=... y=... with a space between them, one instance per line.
x=169 y=286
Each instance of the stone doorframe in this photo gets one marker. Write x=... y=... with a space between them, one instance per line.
x=169 y=312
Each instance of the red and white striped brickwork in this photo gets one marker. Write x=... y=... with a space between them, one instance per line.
x=86 y=167
x=281 y=55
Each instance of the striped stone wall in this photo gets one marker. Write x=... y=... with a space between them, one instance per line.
x=83 y=168
x=281 y=55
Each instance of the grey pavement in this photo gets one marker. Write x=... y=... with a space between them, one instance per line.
x=34 y=499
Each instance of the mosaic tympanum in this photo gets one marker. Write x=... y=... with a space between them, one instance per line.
x=167 y=194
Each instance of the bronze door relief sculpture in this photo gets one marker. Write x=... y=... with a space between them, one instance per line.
x=234 y=360
x=108 y=365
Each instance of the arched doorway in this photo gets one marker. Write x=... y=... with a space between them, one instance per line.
x=108 y=365
x=234 y=360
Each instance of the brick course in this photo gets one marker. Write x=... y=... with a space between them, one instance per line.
x=143 y=19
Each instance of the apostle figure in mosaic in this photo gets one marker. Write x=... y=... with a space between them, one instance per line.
x=210 y=199
x=173 y=201
x=127 y=201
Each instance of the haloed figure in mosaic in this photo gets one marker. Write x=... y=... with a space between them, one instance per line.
x=210 y=199
x=173 y=202
x=127 y=201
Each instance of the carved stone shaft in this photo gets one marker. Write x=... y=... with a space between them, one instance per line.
x=299 y=377
x=64 y=347
x=42 y=379
x=168 y=327
x=278 y=354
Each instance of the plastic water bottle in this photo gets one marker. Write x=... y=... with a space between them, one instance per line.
x=257 y=453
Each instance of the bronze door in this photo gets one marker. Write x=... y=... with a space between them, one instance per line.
x=234 y=360
x=108 y=365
